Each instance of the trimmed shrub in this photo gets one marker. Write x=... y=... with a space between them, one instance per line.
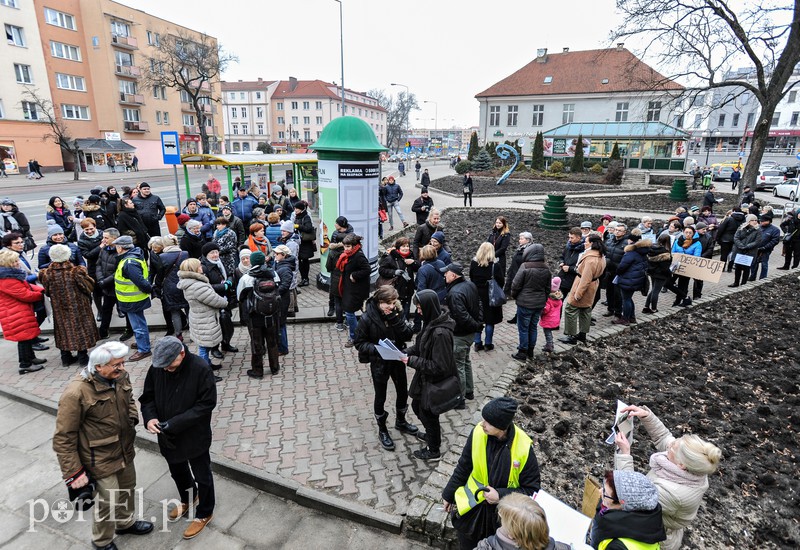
x=463 y=167
x=474 y=148
x=557 y=167
x=614 y=173
x=596 y=168
x=577 y=160
x=483 y=162
x=537 y=160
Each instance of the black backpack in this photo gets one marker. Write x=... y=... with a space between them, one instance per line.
x=265 y=299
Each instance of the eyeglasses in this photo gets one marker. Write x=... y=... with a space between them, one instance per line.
x=605 y=496
x=118 y=366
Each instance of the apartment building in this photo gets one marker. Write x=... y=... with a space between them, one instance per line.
x=290 y=114
x=91 y=65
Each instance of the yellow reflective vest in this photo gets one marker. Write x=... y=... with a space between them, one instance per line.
x=125 y=289
x=630 y=544
x=470 y=495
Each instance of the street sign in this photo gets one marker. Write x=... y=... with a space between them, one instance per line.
x=407 y=150
x=797 y=156
x=170 y=148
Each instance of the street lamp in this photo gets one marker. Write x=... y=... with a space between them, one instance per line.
x=408 y=111
x=341 y=48
x=436 y=119
x=706 y=134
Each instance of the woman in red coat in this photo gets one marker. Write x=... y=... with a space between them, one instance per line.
x=17 y=319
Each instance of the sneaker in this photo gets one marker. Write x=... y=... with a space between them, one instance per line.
x=29 y=368
x=427 y=455
x=340 y=327
x=349 y=343
x=181 y=510
x=520 y=355
x=478 y=346
x=647 y=310
x=488 y=347
x=196 y=526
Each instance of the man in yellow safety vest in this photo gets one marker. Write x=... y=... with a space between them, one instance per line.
x=132 y=288
x=497 y=460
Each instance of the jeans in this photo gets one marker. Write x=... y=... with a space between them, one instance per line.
x=396 y=207
x=489 y=329
x=195 y=481
x=352 y=322
x=283 y=339
x=763 y=260
x=140 y=330
x=202 y=351
x=627 y=303
x=655 y=292
x=548 y=336
x=528 y=326
x=461 y=347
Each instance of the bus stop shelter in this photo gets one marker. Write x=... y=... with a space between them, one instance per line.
x=645 y=145
x=258 y=168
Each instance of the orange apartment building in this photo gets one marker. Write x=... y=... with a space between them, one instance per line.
x=93 y=54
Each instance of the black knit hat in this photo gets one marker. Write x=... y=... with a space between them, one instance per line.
x=499 y=412
x=208 y=247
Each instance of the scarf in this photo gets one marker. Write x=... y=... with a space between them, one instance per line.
x=11 y=221
x=661 y=466
x=406 y=255
x=220 y=232
x=257 y=245
x=341 y=263
x=221 y=268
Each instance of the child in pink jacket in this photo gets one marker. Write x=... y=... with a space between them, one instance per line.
x=551 y=314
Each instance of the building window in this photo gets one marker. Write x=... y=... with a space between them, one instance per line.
x=236 y=147
x=653 y=111
x=698 y=118
x=233 y=112
x=158 y=117
x=319 y=120
x=127 y=87
x=678 y=121
x=294 y=120
x=244 y=112
x=735 y=120
x=119 y=28
x=306 y=120
x=259 y=112
x=153 y=39
x=794 y=118
x=513 y=111
x=258 y=95
x=699 y=99
x=65 y=51
x=568 y=114
x=307 y=135
x=29 y=111
x=241 y=95
x=494 y=115
x=15 y=35
x=75 y=112
x=246 y=146
x=207 y=121
x=59 y=19
x=232 y=95
x=279 y=106
x=281 y=135
x=306 y=105
x=188 y=120
x=281 y=120
x=131 y=115
x=23 y=73
x=319 y=105
x=792 y=96
x=622 y=112
x=538 y=115
x=235 y=128
x=775 y=119
x=319 y=134
x=260 y=129
x=294 y=105
x=10 y=4
x=548 y=80
x=750 y=118
x=721 y=121
x=166 y=117
x=245 y=129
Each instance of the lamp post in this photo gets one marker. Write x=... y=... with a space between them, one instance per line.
x=436 y=115
x=706 y=134
x=408 y=97
x=341 y=47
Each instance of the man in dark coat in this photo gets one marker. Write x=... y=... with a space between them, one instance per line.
x=709 y=199
x=770 y=237
x=426 y=231
x=525 y=240
x=615 y=250
x=569 y=259
x=422 y=206
x=150 y=208
x=464 y=304
x=177 y=400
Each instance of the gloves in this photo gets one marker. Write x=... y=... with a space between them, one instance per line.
x=399 y=272
x=228 y=284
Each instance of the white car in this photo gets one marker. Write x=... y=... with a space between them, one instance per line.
x=789 y=189
x=768 y=178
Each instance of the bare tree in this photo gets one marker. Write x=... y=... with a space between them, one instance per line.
x=700 y=41
x=188 y=64
x=57 y=131
x=398 y=111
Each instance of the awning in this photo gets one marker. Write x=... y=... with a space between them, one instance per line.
x=248 y=159
x=96 y=145
x=779 y=133
x=597 y=130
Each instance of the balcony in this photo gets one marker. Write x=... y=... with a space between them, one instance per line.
x=205 y=85
x=187 y=107
x=207 y=108
x=127 y=70
x=131 y=126
x=131 y=99
x=191 y=130
x=125 y=42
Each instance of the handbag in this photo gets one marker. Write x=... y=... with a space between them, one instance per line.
x=646 y=286
x=787 y=238
x=466 y=190
x=442 y=396
x=496 y=295
x=382 y=215
x=29 y=243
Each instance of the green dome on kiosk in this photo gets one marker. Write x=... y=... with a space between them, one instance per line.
x=348 y=133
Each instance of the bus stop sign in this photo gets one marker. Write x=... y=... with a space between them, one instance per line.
x=170 y=148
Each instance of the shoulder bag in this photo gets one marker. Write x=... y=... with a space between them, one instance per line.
x=442 y=396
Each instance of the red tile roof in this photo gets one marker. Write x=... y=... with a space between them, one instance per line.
x=582 y=72
x=314 y=89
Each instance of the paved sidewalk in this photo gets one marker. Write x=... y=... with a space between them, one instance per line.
x=244 y=517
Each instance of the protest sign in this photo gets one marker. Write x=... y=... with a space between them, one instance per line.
x=696 y=267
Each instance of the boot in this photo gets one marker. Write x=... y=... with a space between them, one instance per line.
x=256 y=372
x=581 y=337
x=383 y=432
x=512 y=321
x=402 y=425
x=530 y=353
x=68 y=359
x=548 y=348
x=83 y=358
x=521 y=355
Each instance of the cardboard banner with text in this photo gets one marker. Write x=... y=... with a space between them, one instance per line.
x=696 y=267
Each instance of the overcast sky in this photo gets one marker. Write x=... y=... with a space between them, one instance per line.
x=443 y=51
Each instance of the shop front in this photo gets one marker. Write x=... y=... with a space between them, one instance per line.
x=8 y=156
x=96 y=155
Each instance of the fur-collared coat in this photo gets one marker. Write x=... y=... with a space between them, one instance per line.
x=70 y=290
x=204 y=306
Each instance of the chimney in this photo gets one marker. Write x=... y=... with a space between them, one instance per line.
x=620 y=45
x=292 y=83
x=260 y=79
x=566 y=50
x=541 y=55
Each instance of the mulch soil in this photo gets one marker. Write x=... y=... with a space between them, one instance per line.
x=515 y=186
x=713 y=370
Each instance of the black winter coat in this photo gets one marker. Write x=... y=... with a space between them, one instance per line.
x=98 y=214
x=791 y=226
x=569 y=258
x=130 y=223
x=632 y=269
x=183 y=400
x=305 y=227
x=481 y=275
x=214 y=274
x=285 y=270
x=21 y=219
x=500 y=243
x=464 y=304
x=727 y=229
x=374 y=326
x=531 y=284
x=423 y=237
x=516 y=261
x=193 y=244
x=355 y=291
x=105 y=268
x=614 y=253
x=167 y=279
x=389 y=264
x=746 y=241
x=334 y=251
x=431 y=356
x=422 y=207
x=90 y=249
x=659 y=260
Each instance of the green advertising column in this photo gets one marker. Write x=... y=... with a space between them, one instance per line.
x=349 y=170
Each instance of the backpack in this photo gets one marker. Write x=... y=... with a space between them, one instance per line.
x=265 y=299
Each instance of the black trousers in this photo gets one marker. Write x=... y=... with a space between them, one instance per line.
x=381 y=374
x=305 y=266
x=264 y=341
x=791 y=250
x=697 y=289
x=106 y=312
x=724 y=252
x=433 y=430
x=25 y=352
x=226 y=325
x=681 y=289
x=740 y=274
x=193 y=477
x=465 y=198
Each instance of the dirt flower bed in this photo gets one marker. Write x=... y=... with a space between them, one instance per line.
x=656 y=203
x=483 y=186
x=713 y=370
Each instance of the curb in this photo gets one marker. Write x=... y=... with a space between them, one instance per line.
x=252 y=477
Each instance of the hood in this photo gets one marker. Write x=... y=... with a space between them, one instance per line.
x=738 y=216
x=89 y=207
x=188 y=278
x=335 y=246
x=338 y=236
x=134 y=252
x=262 y=272
x=14 y=273
x=428 y=301
x=533 y=253
x=643 y=246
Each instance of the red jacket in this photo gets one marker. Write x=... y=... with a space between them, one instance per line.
x=16 y=308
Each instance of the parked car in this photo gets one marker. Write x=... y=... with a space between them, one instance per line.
x=789 y=189
x=423 y=156
x=767 y=179
x=721 y=172
x=791 y=171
